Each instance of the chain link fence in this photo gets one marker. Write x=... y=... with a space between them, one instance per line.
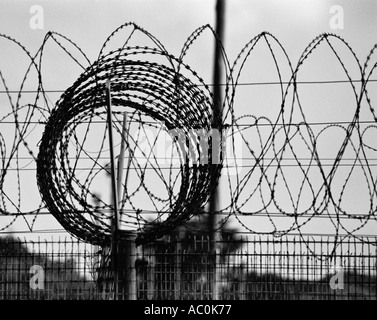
x=245 y=268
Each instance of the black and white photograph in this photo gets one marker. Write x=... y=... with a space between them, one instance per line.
x=188 y=154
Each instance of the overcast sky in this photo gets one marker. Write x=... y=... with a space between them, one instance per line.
x=294 y=22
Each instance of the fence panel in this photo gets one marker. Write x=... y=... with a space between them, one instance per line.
x=184 y=269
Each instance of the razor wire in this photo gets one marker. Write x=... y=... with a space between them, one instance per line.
x=175 y=158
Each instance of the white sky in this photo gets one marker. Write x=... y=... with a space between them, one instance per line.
x=294 y=22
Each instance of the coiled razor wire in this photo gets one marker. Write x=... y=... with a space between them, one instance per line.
x=161 y=96
x=151 y=90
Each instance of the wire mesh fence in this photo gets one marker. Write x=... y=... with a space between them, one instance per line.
x=258 y=268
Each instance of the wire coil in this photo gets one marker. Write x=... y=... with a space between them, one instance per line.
x=144 y=88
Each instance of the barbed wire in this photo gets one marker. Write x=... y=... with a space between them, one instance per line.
x=267 y=166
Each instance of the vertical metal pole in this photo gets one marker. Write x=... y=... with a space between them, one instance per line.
x=121 y=157
x=123 y=258
x=217 y=125
x=126 y=248
x=115 y=220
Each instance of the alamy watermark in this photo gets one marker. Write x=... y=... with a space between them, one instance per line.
x=337 y=280
x=37 y=19
x=337 y=17
x=194 y=146
x=37 y=281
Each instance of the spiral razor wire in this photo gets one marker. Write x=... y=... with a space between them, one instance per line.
x=278 y=171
